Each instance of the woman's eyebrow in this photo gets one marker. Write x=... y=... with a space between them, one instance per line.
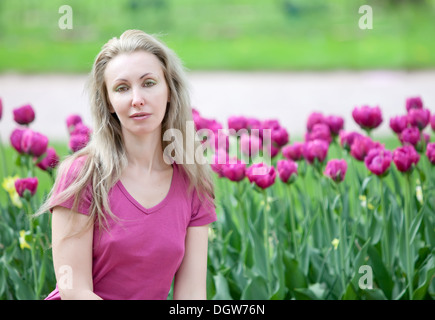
x=140 y=78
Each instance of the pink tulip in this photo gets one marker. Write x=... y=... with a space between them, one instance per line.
x=414 y=103
x=335 y=124
x=81 y=128
x=237 y=123
x=1 y=109
x=280 y=136
x=410 y=136
x=293 y=152
x=72 y=121
x=21 y=185
x=24 y=115
x=378 y=161
x=361 y=146
x=399 y=123
x=314 y=118
x=270 y=124
x=405 y=157
x=336 y=169
x=287 y=170
x=315 y=149
x=220 y=159
x=319 y=131
x=261 y=174
x=34 y=143
x=15 y=138
x=419 y=118
x=78 y=141
x=430 y=152
x=347 y=138
x=51 y=160
x=432 y=122
x=367 y=117
x=250 y=144
x=234 y=170
x=253 y=123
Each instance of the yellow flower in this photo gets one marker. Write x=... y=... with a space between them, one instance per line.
x=9 y=185
x=335 y=243
x=23 y=242
x=363 y=200
x=419 y=194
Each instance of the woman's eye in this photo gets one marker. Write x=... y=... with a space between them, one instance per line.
x=149 y=83
x=121 y=89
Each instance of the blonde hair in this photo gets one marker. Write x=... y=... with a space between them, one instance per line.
x=105 y=152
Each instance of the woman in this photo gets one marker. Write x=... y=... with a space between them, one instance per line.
x=126 y=221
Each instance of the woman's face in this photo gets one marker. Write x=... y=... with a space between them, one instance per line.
x=137 y=91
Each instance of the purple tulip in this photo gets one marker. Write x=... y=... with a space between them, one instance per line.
x=78 y=141
x=316 y=149
x=347 y=138
x=319 y=131
x=367 y=117
x=419 y=118
x=253 y=123
x=234 y=170
x=287 y=170
x=399 y=123
x=336 y=169
x=24 y=115
x=1 y=108
x=430 y=152
x=335 y=124
x=361 y=146
x=432 y=122
x=51 y=160
x=414 y=103
x=21 y=185
x=405 y=157
x=314 y=118
x=15 y=138
x=34 y=143
x=237 y=123
x=410 y=135
x=280 y=136
x=270 y=124
x=293 y=152
x=220 y=159
x=250 y=144
x=378 y=161
x=72 y=121
x=261 y=174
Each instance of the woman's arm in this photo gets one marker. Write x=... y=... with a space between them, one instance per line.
x=191 y=278
x=72 y=256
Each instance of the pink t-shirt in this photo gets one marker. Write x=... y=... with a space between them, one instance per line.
x=139 y=257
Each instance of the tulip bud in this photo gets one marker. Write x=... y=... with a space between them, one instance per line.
x=316 y=149
x=1 y=109
x=72 y=121
x=30 y=184
x=419 y=118
x=378 y=161
x=336 y=169
x=414 y=103
x=399 y=123
x=405 y=158
x=294 y=151
x=234 y=171
x=263 y=180
x=430 y=152
x=366 y=117
x=24 y=115
x=34 y=143
x=50 y=160
x=287 y=170
x=78 y=141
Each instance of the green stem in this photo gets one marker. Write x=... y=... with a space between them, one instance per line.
x=293 y=224
x=342 y=242
x=32 y=248
x=409 y=257
x=266 y=235
x=3 y=158
x=385 y=243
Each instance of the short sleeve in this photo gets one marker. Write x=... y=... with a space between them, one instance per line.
x=202 y=212
x=64 y=181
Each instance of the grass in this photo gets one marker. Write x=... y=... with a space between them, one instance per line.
x=217 y=35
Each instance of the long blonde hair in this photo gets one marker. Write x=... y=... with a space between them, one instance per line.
x=105 y=153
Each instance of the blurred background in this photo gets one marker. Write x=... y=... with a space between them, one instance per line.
x=265 y=58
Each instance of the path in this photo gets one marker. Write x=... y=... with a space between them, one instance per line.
x=287 y=96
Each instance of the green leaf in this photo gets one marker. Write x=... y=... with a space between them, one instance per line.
x=425 y=276
x=222 y=289
x=294 y=278
x=381 y=274
x=256 y=289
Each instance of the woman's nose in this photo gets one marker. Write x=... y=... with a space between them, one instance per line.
x=138 y=99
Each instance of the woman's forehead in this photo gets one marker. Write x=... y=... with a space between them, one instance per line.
x=132 y=65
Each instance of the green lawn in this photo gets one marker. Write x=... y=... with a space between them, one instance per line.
x=222 y=34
